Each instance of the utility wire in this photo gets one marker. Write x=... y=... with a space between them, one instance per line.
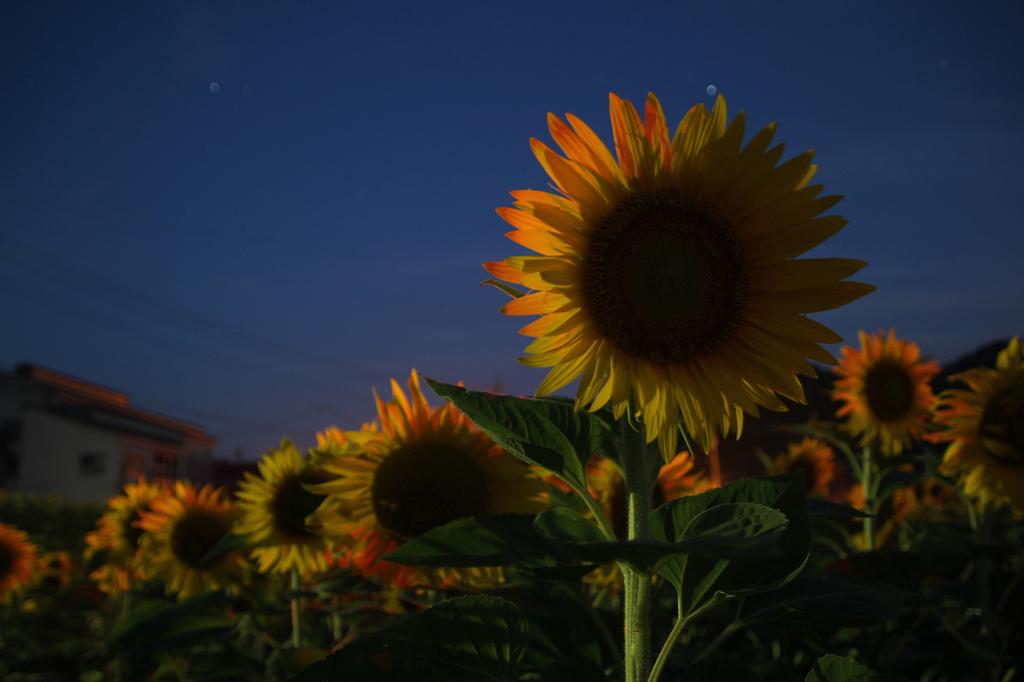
x=105 y=288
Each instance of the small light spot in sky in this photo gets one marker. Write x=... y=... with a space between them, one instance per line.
x=214 y=87
x=712 y=90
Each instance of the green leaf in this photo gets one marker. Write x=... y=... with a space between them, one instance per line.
x=470 y=639
x=832 y=668
x=831 y=596
x=573 y=669
x=894 y=480
x=157 y=626
x=819 y=507
x=511 y=291
x=548 y=433
x=229 y=543
x=738 y=530
x=719 y=671
x=702 y=580
x=499 y=540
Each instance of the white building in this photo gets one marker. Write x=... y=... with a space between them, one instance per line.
x=63 y=435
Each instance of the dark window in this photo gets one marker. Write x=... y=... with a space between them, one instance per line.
x=165 y=467
x=91 y=463
x=134 y=466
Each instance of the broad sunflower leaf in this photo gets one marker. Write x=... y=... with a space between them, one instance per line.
x=573 y=669
x=702 y=580
x=499 y=540
x=157 y=626
x=229 y=543
x=719 y=671
x=837 y=599
x=832 y=668
x=733 y=531
x=469 y=639
x=547 y=433
x=819 y=507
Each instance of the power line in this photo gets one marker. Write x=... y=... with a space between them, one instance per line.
x=104 y=289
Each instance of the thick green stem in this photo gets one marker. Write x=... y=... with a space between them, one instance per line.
x=296 y=615
x=639 y=486
x=984 y=574
x=869 y=499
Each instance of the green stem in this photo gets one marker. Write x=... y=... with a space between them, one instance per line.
x=985 y=575
x=336 y=623
x=869 y=499
x=296 y=624
x=673 y=637
x=972 y=517
x=639 y=486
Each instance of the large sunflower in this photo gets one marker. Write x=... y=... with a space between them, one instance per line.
x=887 y=390
x=275 y=506
x=815 y=457
x=420 y=468
x=181 y=529
x=670 y=276
x=17 y=559
x=985 y=426
x=675 y=479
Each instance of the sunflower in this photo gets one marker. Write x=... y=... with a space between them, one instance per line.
x=669 y=276
x=117 y=530
x=17 y=559
x=605 y=482
x=54 y=570
x=887 y=390
x=815 y=457
x=274 y=508
x=181 y=529
x=985 y=428
x=418 y=469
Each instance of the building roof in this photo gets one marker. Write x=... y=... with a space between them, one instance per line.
x=106 y=408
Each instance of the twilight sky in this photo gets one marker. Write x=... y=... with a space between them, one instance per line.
x=247 y=215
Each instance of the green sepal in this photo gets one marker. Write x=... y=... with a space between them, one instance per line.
x=511 y=291
x=468 y=639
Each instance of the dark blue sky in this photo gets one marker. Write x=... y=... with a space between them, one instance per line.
x=256 y=259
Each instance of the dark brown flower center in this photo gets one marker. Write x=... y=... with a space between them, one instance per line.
x=620 y=507
x=6 y=560
x=193 y=537
x=1001 y=427
x=665 y=278
x=132 y=535
x=889 y=390
x=424 y=485
x=292 y=503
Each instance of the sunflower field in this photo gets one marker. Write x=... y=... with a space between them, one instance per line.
x=472 y=536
